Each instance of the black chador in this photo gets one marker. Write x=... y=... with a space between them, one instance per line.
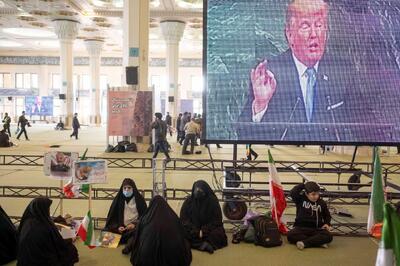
x=123 y=205
x=8 y=240
x=39 y=241
x=160 y=239
x=202 y=219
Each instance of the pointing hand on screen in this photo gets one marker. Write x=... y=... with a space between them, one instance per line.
x=264 y=85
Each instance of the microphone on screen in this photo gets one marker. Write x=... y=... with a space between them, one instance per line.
x=290 y=118
x=328 y=99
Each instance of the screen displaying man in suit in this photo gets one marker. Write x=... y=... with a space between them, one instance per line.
x=306 y=32
x=305 y=84
x=38 y=108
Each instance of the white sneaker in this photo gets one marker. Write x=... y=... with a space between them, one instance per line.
x=300 y=245
x=325 y=246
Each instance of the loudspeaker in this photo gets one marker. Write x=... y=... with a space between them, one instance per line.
x=9 y=98
x=170 y=99
x=62 y=96
x=131 y=75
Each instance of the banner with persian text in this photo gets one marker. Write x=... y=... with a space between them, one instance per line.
x=129 y=113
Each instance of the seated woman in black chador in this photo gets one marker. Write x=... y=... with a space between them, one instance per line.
x=201 y=216
x=127 y=207
x=39 y=241
x=160 y=239
x=8 y=240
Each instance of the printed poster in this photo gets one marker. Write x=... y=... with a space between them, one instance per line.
x=90 y=172
x=59 y=165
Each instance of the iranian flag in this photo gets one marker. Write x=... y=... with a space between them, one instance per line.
x=375 y=216
x=276 y=195
x=389 y=248
x=86 y=231
x=72 y=191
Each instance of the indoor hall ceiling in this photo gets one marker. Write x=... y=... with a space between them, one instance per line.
x=27 y=24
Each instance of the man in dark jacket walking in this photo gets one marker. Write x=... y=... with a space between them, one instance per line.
x=168 y=120
x=160 y=128
x=23 y=122
x=75 y=126
x=6 y=124
x=178 y=127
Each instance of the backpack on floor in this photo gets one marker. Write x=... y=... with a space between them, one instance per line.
x=266 y=232
x=131 y=147
x=119 y=148
x=109 y=148
x=151 y=148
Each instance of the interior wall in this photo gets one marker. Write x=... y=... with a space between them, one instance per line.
x=113 y=73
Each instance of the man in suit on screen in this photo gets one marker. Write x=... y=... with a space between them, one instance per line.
x=304 y=84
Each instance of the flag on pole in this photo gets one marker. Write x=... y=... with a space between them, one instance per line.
x=276 y=195
x=72 y=191
x=375 y=215
x=389 y=247
x=86 y=231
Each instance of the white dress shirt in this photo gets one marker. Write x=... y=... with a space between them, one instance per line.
x=303 y=77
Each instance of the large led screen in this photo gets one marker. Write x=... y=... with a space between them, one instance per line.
x=303 y=71
x=39 y=105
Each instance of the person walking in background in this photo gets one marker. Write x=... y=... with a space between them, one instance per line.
x=75 y=126
x=182 y=126
x=168 y=120
x=178 y=126
x=6 y=124
x=160 y=128
x=191 y=130
x=250 y=152
x=22 y=123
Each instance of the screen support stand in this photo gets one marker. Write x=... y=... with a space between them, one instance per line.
x=374 y=151
x=234 y=155
x=354 y=157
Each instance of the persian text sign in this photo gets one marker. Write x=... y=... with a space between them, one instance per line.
x=121 y=106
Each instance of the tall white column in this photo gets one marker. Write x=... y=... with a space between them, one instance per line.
x=136 y=39
x=94 y=48
x=66 y=30
x=173 y=32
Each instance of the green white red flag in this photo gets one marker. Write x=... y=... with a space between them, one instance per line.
x=276 y=195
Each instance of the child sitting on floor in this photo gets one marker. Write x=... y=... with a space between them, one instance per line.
x=312 y=224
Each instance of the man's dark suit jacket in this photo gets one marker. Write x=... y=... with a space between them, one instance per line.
x=42 y=111
x=336 y=99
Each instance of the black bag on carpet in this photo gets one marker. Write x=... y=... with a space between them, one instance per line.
x=267 y=232
x=131 y=147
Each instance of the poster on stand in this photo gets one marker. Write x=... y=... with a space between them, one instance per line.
x=90 y=172
x=59 y=165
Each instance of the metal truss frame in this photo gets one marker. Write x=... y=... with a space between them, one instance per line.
x=183 y=164
x=249 y=195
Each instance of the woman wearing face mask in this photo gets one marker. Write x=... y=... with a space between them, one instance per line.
x=201 y=217
x=126 y=209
